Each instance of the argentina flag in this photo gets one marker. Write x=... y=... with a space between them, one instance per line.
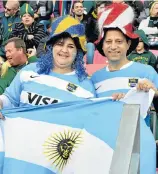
x=1 y=147
x=69 y=138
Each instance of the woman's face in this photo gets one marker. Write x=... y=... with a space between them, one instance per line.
x=64 y=53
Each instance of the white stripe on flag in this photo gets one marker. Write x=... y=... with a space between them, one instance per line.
x=24 y=140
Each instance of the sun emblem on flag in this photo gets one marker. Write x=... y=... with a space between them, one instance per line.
x=59 y=147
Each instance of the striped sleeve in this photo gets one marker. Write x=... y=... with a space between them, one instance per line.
x=39 y=33
x=18 y=31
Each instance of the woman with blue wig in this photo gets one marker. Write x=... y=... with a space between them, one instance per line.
x=59 y=75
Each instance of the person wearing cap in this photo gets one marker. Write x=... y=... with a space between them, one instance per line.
x=116 y=42
x=141 y=53
x=28 y=30
x=59 y=75
x=150 y=25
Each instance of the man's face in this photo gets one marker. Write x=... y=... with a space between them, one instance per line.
x=115 y=46
x=10 y=9
x=78 y=9
x=154 y=11
x=13 y=54
x=27 y=19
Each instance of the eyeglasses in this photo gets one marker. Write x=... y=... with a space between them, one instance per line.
x=8 y=9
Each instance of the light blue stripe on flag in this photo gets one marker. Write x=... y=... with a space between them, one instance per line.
x=1 y=147
x=1 y=162
x=147 y=149
x=23 y=167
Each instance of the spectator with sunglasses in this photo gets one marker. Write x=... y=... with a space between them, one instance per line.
x=141 y=53
x=7 y=22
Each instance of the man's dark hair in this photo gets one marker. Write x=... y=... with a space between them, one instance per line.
x=117 y=29
x=19 y=43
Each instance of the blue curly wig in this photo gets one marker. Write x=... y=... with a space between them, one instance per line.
x=45 y=63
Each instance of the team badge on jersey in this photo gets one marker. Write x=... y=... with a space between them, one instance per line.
x=71 y=87
x=132 y=82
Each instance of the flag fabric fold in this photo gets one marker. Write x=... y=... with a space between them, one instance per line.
x=145 y=99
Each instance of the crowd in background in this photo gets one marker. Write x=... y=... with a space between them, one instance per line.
x=44 y=12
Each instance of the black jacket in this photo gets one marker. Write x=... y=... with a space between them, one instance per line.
x=36 y=29
x=91 y=28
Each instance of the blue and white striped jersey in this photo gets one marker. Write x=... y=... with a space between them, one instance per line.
x=31 y=88
x=106 y=82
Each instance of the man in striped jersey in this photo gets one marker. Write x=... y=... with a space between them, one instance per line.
x=116 y=42
x=121 y=75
